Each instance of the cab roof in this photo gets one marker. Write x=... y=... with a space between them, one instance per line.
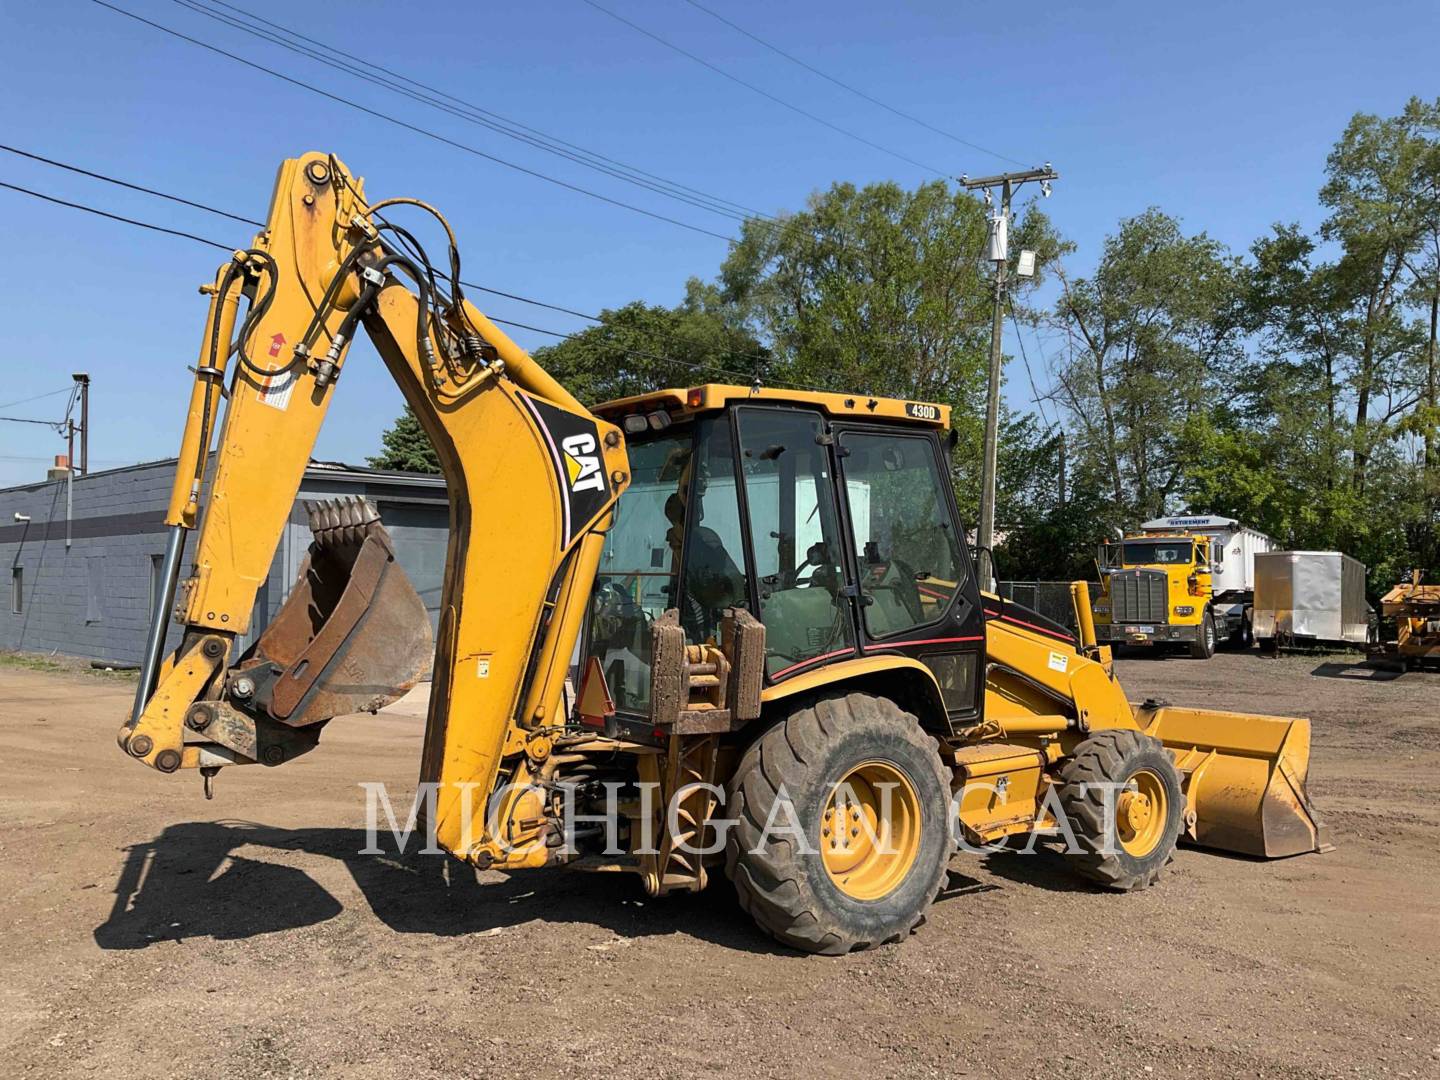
x=710 y=397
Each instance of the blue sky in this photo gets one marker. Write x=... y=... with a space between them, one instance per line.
x=1222 y=113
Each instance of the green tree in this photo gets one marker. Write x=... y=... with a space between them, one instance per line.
x=632 y=350
x=1379 y=189
x=406 y=447
x=642 y=347
x=1150 y=336
x=1329 y=437
x=1049 y=527
x=880 y=290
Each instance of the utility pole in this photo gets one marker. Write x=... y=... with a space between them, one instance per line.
x=82 y=380
x=999 y=255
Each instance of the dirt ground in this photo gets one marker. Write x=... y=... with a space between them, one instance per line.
x=149 y=933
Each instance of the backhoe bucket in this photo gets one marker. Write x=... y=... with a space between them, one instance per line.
x=1244 y=778
x=353 y=636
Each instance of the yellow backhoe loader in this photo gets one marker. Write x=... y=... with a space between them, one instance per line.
x=782 y=663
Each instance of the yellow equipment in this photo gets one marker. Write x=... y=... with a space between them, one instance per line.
x=785 y=665
x=1155 y=588
x=1415 y=609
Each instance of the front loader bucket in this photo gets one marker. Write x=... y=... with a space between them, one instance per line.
x=1244 y=778
x=353 y=636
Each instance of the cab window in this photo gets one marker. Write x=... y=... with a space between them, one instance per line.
x=905 y=542
x=640 y=567
x=714 y=577
x=795 y=537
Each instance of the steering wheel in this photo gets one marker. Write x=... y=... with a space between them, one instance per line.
x=895 y=577
x=615 y=609
x=817 y=558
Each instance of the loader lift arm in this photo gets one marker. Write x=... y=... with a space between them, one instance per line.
x=532 y=478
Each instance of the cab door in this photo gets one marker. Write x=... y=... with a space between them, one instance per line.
x=915 y=583
x=796 y=541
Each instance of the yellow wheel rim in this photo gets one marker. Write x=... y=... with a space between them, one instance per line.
x=870 y=830
x=1141 y=812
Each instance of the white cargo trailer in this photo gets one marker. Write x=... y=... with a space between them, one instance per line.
x=1233 y=548
x=1310 y=598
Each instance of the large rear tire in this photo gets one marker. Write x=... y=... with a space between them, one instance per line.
x=1122 y=799
x=839 y=890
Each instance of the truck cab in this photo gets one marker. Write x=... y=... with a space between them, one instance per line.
x=1206 y=564
x=1155 y=589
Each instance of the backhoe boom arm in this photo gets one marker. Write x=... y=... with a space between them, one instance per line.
x=532 y=478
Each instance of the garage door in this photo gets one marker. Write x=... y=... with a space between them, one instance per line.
x=421 y=533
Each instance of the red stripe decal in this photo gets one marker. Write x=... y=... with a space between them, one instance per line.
x=1030 y=626
x=922 y=641
x=812 y=660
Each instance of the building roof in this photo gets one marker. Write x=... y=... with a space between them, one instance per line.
x=330 y=470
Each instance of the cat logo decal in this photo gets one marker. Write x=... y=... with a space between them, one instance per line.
x=582 y=463
x=573 y=442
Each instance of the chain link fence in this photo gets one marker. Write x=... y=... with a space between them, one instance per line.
x=1049 y=598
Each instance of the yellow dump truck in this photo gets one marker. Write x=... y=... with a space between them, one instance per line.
x=1182 y=580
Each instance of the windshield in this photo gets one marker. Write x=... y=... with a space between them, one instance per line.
x=1147 y=552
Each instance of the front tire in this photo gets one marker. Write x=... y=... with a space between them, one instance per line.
x=1122 y=799
x=839 y=890
x=1203 y=647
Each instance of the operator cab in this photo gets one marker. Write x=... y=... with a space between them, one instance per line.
x=830 y=519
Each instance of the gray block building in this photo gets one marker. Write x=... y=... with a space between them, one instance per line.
x=83 y=583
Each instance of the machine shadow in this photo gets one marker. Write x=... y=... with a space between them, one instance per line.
x=204 y=879
x=1043 y=868
x=1361 y=670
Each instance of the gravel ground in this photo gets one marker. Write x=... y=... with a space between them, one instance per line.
x=149 y=933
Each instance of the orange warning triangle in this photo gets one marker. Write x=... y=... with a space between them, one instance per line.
x=595 y=703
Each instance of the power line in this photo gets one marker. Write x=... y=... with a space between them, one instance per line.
x=417 y=129
x=468 y=111
x=188 y=202
x=128 y=184
x=57 y=424
x=763 y=93
x=248 y=221
x=488 y=112
x=116 y=217
x=743 y=376
x=37 y=397
x=728 y=208
x=1034 y=390
x=760 y=357
x=854 y=90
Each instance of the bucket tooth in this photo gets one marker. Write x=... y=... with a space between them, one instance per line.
x=353 y=635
